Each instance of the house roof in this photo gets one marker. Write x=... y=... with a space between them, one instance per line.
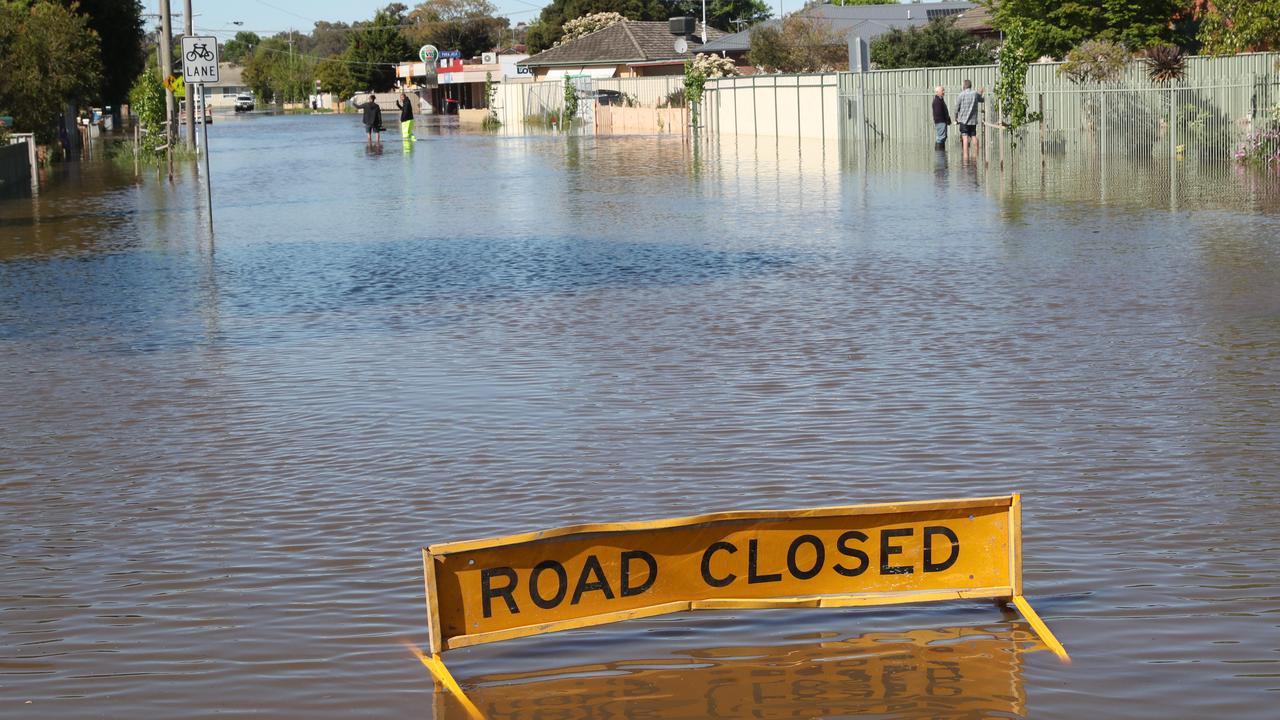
x=630 y=41
x=977 y=20
x=865 y=21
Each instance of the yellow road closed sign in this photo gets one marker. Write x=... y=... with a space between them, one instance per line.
x=501 y=588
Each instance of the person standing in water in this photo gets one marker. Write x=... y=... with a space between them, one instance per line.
x=406 y=118
x=372 y=119
x=941 y=118
x=967 y=118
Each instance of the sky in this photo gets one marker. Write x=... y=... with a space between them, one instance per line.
x=268 y=17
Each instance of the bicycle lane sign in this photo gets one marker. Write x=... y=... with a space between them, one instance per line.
x=200 y=59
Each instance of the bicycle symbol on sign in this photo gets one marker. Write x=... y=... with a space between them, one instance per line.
x=199 y=51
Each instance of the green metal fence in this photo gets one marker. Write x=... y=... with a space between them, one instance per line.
x=1204 y=115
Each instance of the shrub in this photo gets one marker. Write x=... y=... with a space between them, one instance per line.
x=146 y=99
x=938 y=44
x=570 y=100
x=1261 y=147
x=588 y=24
x=1099 y=61
x=1165 y=63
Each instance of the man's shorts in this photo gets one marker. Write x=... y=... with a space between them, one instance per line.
x=970 y=130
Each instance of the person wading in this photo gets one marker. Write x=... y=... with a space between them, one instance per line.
x=406 y=118
x=941 y=118
x=372 y=119
x=967 y=118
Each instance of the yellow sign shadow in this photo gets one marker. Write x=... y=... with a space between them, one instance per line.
x=502 y=588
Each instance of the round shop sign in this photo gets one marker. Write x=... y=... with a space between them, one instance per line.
x=429 y=54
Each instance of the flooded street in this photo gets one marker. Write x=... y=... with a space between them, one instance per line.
x=221 y=454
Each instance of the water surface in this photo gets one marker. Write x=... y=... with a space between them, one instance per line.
x=222 y=452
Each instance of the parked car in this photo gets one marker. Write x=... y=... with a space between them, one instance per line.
x=244 y=102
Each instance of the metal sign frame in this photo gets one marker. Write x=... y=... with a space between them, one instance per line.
x=928 y=551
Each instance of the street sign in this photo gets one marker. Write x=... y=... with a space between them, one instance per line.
x=525 y=585
x=864 y=555
x=451 y=54
x=200 y=59
x=428 y=54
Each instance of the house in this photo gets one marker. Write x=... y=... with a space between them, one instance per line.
x=631 y=48
x=865 y=21
x=222 y=94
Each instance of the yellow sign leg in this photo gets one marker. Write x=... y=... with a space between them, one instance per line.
x=441 y=673
x=1041 y=629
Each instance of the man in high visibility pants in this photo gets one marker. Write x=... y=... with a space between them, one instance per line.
x=406 y=118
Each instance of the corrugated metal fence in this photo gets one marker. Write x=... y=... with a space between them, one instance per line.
x=772 y=105
x=1205 y=114
x=519 y=102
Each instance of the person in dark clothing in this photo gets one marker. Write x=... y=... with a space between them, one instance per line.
x=941 y=118
x=372 y=118
x=406 y=118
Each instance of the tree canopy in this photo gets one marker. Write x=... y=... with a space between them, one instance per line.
x=238 y=49
x=118 y=24
x=50 y=55
x=797 y=44
x=375 y=47
x=470 y=26
x=1235 y=26
x=1053 y=27
x=937 y=44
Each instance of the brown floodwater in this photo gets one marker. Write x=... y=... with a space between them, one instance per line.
x=221 y=453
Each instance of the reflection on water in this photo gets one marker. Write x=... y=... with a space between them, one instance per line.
x=926 y=673
x=222 y=453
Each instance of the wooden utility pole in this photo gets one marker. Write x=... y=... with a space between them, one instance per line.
x=166 y=69
x=187 y=29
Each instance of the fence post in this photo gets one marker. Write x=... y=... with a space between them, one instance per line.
x=755 y=113
x=1173 y=131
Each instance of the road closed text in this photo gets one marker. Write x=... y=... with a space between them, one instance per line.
x=629 y=573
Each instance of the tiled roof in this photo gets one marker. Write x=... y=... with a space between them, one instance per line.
x=630 y=41
x=975 y=20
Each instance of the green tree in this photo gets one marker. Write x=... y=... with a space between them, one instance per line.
x=798 y=44
x=118 y=24
x=1053 y=27
x=328 y=39
x=238 y=49
x=336 y=77
x=146 y=100
x=375 y=48
x=1011 y=81
x=548 y=28
x=726 y=14
x=469 y=26
x=49 y=56
x=262 y=72
x=937 y=44
x=1236 y=26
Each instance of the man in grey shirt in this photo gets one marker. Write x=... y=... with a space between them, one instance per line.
x=967 y=118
